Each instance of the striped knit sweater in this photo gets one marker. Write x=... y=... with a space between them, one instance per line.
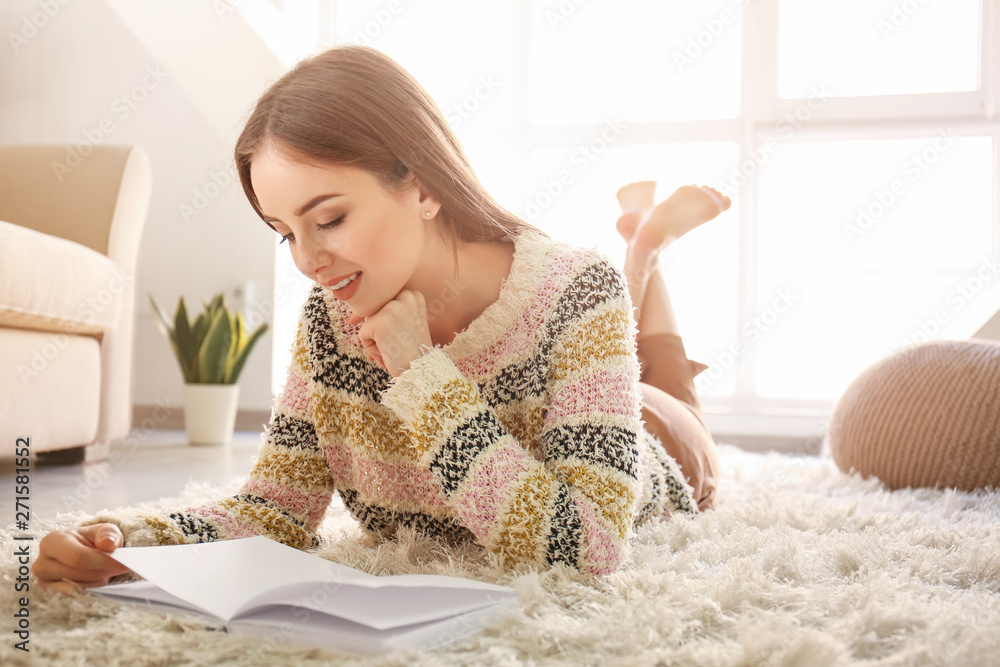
x=523 y=433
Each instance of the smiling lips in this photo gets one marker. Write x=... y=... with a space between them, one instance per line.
x=347 y=287
x=346 y=281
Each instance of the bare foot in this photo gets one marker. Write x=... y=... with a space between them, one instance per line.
x=688 y=207
x=648 y=228
x=636 y=200
x=637 y=196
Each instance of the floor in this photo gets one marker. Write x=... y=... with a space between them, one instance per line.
x=159 y=466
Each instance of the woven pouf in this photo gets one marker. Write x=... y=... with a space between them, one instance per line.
x=926 y=415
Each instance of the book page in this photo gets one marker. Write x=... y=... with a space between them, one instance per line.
x=233 y=578
x=222 y=577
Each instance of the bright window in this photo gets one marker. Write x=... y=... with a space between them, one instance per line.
x=878 y=47
x=857 y=139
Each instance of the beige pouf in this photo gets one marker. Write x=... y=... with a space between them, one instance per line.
x=926 y=415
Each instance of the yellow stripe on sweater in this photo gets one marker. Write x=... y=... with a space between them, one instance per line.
x=456 y=398
x=599 y=339
x=614 y=499
x=520 y=538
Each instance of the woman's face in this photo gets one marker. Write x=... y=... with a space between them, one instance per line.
x=346 y=230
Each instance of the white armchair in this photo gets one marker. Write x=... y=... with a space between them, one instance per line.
x=69 y=241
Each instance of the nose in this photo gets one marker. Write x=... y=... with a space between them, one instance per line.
x=313 y=258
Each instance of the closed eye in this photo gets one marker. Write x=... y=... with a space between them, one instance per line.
x=329 y=225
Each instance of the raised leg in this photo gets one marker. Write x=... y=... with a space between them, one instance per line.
x=671 y=410
x=649 y=228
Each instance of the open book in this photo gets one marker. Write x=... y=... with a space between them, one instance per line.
x=261 y=587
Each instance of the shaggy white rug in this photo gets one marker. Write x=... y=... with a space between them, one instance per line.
x=800 y=565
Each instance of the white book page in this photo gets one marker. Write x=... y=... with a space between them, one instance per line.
x=380 y=608
x=231 y=578
x=222 y=577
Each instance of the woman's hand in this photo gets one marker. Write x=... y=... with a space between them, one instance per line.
x=394 y=335
x=76 y=558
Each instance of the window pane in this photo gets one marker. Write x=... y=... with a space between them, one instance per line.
x=873 y=245
x=460 y=51
x=642 y=60
x=573 y=198
x=877 y=47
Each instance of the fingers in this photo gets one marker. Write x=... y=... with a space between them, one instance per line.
x=104 y=536
x=78 y=557
x=394 y=336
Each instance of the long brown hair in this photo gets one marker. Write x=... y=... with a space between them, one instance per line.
x=353 y=105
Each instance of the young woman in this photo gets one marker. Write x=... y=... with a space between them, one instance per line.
x=455 y=370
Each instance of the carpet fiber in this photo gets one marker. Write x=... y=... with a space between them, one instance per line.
x=800 y=565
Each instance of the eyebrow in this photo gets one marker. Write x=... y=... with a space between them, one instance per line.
x=308 y=206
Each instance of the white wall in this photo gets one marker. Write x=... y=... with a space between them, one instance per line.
x=60 y=81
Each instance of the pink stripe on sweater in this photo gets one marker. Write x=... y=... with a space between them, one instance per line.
x=385 y=481
x=523 y=336
x=296 y=394
x=603 y=392
x=397 y=483
x=291 y=500
x=602 y=549
x=230 y=525
x=481 y=503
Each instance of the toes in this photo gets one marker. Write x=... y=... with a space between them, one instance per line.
x=720 y=199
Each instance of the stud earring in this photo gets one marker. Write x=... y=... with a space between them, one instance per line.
x=427 y=214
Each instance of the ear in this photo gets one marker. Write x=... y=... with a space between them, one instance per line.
x=426 y=201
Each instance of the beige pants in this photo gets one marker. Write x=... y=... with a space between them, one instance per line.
x=672 y=412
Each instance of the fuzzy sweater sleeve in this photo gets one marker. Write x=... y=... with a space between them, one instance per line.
x=284 y=498
x=577 y=505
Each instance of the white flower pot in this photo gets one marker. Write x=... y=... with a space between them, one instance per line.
x=210 y=413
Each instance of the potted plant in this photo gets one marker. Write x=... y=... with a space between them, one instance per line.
x=211 y=352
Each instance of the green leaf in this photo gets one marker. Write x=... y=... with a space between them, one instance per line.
x=187 y=350
x=239 y=341
x=215 y=350
x=242 y=355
